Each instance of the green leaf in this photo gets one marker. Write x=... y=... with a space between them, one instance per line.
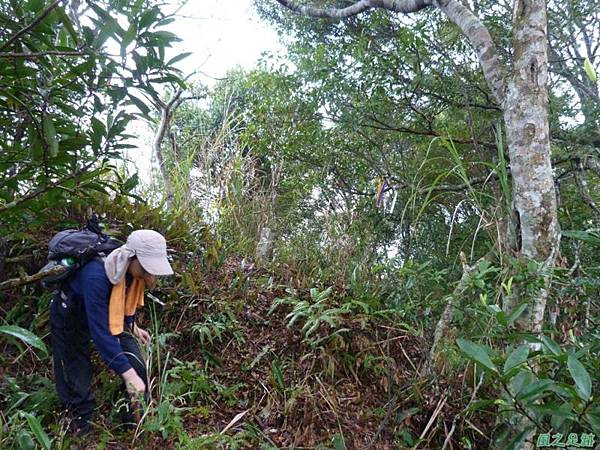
x=35 y=5
x=277 y=374
x=516 y=313
x=67 y=23
x=551 y=345
x=98 y=131
x=131 y=182
x=517 y=442
x=26 y=336
x=591 y=236
x=593 y=418
x=589 y=70
x=149 y=17
x=128 y=38
x=141 y=62
x=50 y=135
x=165 y=37
x=533 y=390
x=38 y=431
x=338 y=442
x=165 y=21
x=583 y=382
x=178 y=58
x=517 y=357
x=477 y=353
x=141 y=105
x=25 y=441
x=480 y=405
x=560 y=414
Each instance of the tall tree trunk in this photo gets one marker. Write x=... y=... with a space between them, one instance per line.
x=525 y=107
x=535 y=221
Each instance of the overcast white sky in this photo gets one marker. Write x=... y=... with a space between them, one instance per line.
x=221 y=34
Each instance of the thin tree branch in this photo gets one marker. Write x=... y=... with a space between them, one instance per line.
x=29 y=27
x=40 y=191
x=15 y=282
x=470 y=25
x=13 y=55
x=443 y=325
x=481 y=40
x=402 y=6
x=583 y=188
x=166 y=113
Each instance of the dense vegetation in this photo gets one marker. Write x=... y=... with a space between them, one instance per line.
x=376 y=157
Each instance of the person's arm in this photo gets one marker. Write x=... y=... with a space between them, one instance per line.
x=95 y=295
x=141 y=334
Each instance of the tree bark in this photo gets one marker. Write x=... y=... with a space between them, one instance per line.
x=404 y=6
x=535 y=217
x=166 y=113
x=526 y=118
x=15 y=282
x=264 y=247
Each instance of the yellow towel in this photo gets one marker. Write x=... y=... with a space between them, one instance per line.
x=123 y=302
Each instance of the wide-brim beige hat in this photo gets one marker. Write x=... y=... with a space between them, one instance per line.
x=150 y=247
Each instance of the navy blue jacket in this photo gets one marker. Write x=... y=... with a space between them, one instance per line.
x=91 y=286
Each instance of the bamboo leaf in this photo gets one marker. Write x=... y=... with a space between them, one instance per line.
x=131 y=182
x=178 y=58
x=38 y=431
x=24 y=335
x=591 y=236
x=149 y=17
x=67 y=23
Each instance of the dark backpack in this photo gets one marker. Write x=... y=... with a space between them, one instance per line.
x=75 y=248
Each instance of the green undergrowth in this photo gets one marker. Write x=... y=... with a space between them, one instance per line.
x=282 y=355
x=243 y=363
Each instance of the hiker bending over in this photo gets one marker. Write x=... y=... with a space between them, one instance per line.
x=99 y=300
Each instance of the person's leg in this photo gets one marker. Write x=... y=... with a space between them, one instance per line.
x=70 y=354
x=131 y=348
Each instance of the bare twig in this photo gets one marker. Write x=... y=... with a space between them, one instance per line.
x=453 y=427
x=18 y=259
x=583 y=188
x=436 y=413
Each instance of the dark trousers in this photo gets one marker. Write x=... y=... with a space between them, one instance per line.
x=71 y=357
